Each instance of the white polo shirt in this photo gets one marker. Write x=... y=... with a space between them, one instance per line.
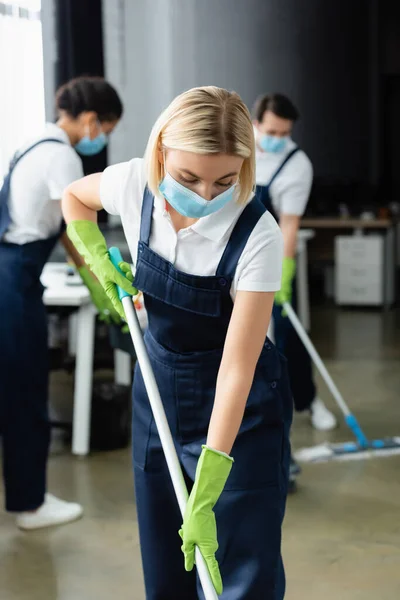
x=291 y=189
x=196 y=249
x=37 y=183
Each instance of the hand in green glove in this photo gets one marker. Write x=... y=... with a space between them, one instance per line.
x=199 y=525
x=107 y=312
x=90 y=243
x=288 y=272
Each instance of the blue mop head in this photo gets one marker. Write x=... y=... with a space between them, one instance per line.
x=349 y=451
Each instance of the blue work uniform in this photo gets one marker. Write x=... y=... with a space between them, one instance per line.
x=24 y=423
x=299 y=362
x=188 y=320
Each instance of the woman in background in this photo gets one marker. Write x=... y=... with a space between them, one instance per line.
x=30 y=225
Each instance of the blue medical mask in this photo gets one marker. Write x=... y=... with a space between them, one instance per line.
x=271 y=143
x=188 y=203
x=88 y=147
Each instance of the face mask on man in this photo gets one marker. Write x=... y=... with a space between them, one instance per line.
x=272 y=143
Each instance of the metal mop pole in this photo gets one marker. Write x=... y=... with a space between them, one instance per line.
x=161 y=421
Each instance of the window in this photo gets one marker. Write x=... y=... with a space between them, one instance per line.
x=22 y=112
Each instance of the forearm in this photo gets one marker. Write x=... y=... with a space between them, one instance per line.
x=289 y=225
x=233 y=387
x=72 y=252
x=243 y=344
x=290 y=244
x=75 y=210
x=81 y=199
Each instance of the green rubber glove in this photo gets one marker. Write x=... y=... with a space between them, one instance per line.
x=90 y=243
x=199 y=526
x=288 y=272
x=107 y=312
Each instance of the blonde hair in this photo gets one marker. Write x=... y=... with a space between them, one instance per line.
x=204 y=120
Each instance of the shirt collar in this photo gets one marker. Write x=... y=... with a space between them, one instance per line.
x=159 y=203
x=52 y=130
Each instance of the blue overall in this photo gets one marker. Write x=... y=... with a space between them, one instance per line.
x=299 y=362
x=24 y=424
x=188 y=320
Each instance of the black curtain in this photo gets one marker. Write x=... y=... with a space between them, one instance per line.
x=79 y=36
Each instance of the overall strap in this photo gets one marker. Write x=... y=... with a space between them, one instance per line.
x=239 y=237
x=147 y=215
x=281 y=166
x=17 y=157
x=5 y=218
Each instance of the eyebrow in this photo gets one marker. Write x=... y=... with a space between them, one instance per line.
x=197 y=177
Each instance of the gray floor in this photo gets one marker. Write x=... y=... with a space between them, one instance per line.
x=342 y=530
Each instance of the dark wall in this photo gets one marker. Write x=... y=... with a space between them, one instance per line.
x=333 y=91
x=390 y=36
x=316 y=51
x=390 y=86
x=79 y=36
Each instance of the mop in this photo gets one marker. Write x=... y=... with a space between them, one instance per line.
x=160 y=419
x=362 y=447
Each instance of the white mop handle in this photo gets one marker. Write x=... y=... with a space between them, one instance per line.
x=316 y=358
x=164 y=433
x=156 y=403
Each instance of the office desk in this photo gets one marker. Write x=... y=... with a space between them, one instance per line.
x=58 y=293
x=360 y=227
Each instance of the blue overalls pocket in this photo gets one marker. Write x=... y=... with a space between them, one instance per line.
x=264 y=392
x=146 y=444
x=270 y=361
x=258 y=455
x=258 y=447
x=195 y=384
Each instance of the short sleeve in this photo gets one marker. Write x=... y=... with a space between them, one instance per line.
x=65 y=166
x=260 y=266
x=121 y=185
x=296 y=190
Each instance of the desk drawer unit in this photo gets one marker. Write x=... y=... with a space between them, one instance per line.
x=359 y=273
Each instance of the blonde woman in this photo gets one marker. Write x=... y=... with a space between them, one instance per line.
x=208 y=260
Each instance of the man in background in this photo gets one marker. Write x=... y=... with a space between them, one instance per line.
x=284 y=177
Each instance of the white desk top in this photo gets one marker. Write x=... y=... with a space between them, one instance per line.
x=305 y=234
x=57 y=292
x=337 y=223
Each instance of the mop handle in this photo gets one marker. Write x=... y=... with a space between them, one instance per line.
x=301 y=332
x=160 y=420
x=351 y=420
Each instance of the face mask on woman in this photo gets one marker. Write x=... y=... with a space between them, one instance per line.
x=188 y=203
x=88 y=147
